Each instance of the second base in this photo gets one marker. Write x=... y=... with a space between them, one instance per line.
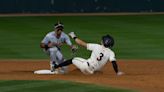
x=45 y=72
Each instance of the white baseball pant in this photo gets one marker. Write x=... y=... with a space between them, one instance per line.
x=83 y=65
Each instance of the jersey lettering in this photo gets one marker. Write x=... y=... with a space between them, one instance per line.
x=101 y=56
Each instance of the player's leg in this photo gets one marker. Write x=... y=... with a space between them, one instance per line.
x=78 y=62
x=52 y=54
x=83 y=65
x=60 y=59
x=65 y=63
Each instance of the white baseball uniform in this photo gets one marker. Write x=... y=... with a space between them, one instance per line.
x=99 y=57
x=50 y=37
x=54 y=52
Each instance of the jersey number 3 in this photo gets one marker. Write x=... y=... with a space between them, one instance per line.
x=100 y=57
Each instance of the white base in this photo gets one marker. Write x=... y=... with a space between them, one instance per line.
x=45 y=72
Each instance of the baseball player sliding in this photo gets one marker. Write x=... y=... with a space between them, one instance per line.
x=100 y=55
x=52 y=43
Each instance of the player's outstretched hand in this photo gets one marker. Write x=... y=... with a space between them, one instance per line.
x=120 y=73
x=72 y=34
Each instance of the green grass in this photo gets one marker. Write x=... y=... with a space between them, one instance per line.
x=53 y=86
x=137 y=37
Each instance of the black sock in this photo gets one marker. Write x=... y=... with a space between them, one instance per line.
x=65 y=63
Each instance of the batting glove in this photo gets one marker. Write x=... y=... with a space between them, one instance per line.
x=72 y=35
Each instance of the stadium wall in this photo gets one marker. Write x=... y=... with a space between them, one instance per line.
x=80 y=6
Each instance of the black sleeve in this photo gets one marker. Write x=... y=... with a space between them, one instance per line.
x=46 y=47
x=115 y=67
x=65 y=63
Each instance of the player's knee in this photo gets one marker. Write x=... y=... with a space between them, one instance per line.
x=53 y=49
x=74 y=60
x=78 y=59
x=59 y=56
x=77 y=63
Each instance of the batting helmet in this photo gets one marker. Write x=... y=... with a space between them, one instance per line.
x=108 y=41
x=59 y=25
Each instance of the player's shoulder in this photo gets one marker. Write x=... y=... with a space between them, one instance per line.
x=50 y=33
x=64 y=35
x=94 y=44
x=110 y=51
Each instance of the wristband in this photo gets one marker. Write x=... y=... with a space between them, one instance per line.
x=46 y=47
x=74 y=38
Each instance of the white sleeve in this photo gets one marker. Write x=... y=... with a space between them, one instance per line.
x=112 y=56
x=91 y=46
x=67 y=40
x=45 y=40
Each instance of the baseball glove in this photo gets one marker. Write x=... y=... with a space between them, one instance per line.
x=74 y=48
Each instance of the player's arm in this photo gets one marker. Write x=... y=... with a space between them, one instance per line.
x=80 y=42
x=114 y=63
x=77 y=40
x=69 y=43
x=46 y=44
x=43 y=45
x=115 y=67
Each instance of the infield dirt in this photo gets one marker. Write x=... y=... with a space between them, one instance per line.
x=142 y=75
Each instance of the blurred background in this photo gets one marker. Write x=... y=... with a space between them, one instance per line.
x=137 y=36
x=80 y=6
